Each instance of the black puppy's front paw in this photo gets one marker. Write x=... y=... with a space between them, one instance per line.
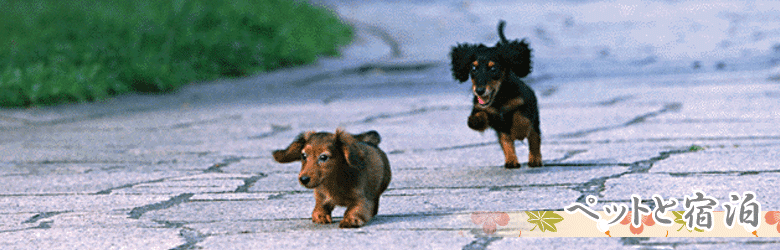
x=478 y=121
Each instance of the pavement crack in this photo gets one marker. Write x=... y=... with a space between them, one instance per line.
x=275 y=129
x=44 y=215
x=567 y=155
x=169 y=224
x=191 y=238
x=737 y=173
x=644 y=166
x=76 y=118
x=417 y=111
x=633 y=241
x=420 y=150
x=203 y=122
x=110 y=190
x=140 y=211
x=217 y=168
x=472 y=145
x=669 y=107
x=361 y=70
x=43 y=225
x=615 y=100
x=597 y=185
x=481 y=243
x=248 y=182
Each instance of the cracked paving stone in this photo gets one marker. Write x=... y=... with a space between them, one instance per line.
x=709 y=243
x=102 y=230
x=428 y=221
x=729 y=158
x=715 y=185
x=392 y=203
x=556 y=243
x=233 y=196
x=91 y=182
x=91 y=238
x=137 y=212
x=191 y=238
x=481 y=243
x=14 y=221
x=713 y=130
x=477 y=177
x=365 y=238
x=570 y=122
x=199 y=183
x=75 y=203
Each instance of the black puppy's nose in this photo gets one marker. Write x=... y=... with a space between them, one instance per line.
x=305 y=179
x=480 y=91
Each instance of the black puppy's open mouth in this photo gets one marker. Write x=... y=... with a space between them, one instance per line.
x=484 y=100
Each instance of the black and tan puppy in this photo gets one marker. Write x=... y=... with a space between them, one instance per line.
x=343 y=170
x=501 y=100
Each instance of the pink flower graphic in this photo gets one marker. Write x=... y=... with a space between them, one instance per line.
x=489 y=220
x=646 y=220
x=772 y=217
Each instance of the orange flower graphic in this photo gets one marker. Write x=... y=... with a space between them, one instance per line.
x=773 y=217
x=489 y=220
x=646 y=220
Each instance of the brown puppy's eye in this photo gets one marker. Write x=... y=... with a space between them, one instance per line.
x=324 y=157
x=303 y=156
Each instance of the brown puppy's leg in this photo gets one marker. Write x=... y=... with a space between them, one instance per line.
x=478 y=120
x=357 y=215
x=376 y=206
x=534 y=152
x=322 y=209
x=508 y=146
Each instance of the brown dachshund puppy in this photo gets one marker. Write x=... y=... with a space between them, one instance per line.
x=501 y=100
x=343 y=170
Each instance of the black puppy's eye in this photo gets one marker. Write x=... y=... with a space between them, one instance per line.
x=324 y=157
x=473 y=68
x=493 y=69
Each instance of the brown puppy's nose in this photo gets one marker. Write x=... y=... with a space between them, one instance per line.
x=480 y=91
x=305 y=180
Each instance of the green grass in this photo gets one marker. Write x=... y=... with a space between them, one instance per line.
x=54 y=51
x=695 y=148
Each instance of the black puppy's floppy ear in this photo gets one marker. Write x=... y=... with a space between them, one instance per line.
x=462 y=56
x=352 y=153
x=517 y=55
x=293 y=152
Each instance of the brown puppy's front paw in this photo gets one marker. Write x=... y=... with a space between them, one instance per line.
x=478 y=121
x=534 y=161
x=351 y=222
x=511 y=165
x=321 y=218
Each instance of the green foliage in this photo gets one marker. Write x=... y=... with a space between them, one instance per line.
x=544 y=220
x=678 y=218
x=694 y=148
x=55 y=51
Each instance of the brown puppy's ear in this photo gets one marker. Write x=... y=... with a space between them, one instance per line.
x=352 y=153
x=293 y=152
x=370 y=137
x=517 y=55
x=462 y=58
